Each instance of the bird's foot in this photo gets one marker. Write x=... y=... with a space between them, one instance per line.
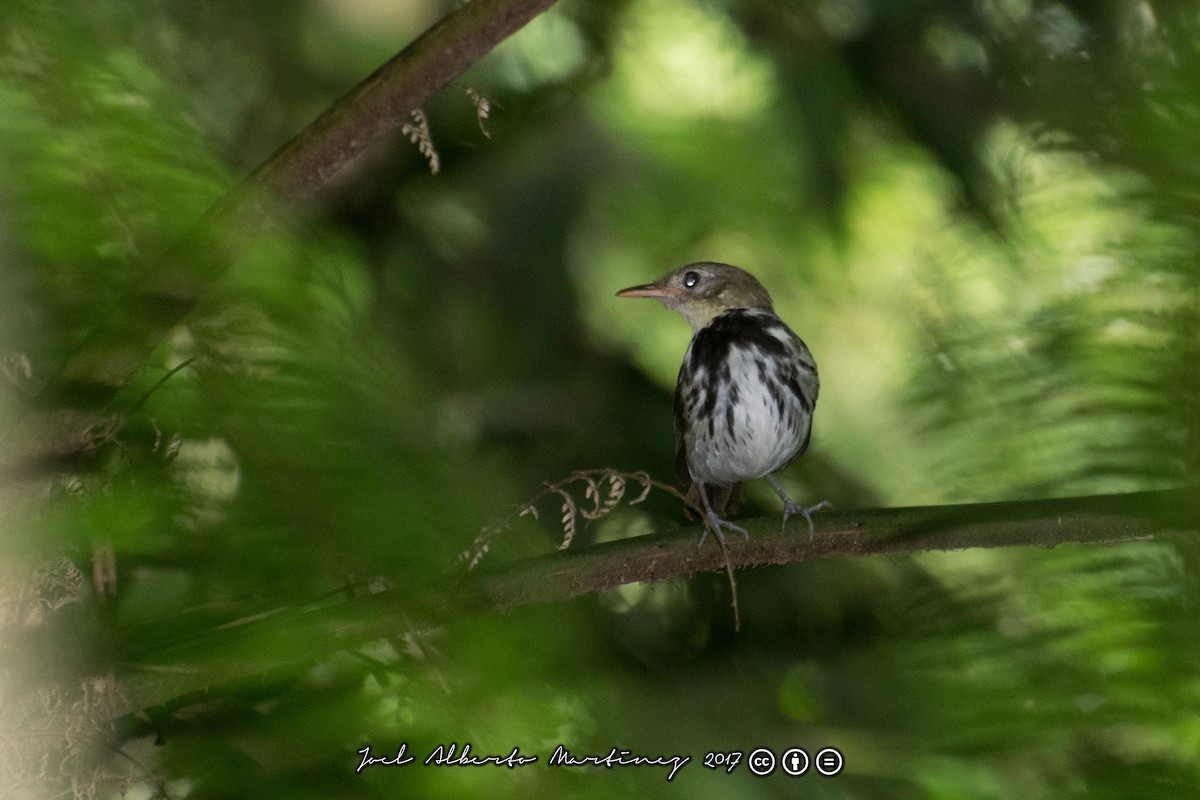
x=790 y=508
x=714 y=523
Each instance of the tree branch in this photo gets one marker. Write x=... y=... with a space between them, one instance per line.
x=314 y=633
x=177 y=280
x=383 y=101
x=1103 y=519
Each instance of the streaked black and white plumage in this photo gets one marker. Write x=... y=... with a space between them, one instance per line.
x=746 y=391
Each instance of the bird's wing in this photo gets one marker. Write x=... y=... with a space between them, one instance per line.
x=721 y=499
x=681 y=467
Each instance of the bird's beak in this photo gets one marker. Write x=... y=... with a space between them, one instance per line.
x=657 y=291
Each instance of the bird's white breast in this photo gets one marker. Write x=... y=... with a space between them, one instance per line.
x=757 y=423
x=750 y=440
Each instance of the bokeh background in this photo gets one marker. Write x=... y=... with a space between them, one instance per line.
x=982 y=217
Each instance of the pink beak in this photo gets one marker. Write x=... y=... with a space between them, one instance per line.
x=649 y=290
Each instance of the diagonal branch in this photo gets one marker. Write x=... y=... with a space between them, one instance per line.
x=177 y=280
x=383 y=101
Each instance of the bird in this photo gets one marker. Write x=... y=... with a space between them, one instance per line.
x=745 y=394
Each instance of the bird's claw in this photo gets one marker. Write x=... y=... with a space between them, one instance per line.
x=790 y=508
x=715 y=523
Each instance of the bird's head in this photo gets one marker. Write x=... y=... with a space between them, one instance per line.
x=703 y=291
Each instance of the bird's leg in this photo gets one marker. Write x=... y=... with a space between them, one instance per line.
x=790 y=508
x=711 y=520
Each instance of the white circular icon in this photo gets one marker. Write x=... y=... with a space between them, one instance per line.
x=794 y=761
x=761 y=762
x=829 y=762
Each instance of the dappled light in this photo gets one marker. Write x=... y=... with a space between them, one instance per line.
x=317 y=461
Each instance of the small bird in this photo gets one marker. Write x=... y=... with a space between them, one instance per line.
x=746 y=390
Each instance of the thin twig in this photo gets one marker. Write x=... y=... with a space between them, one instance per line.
x=157 y=384
x=733 y=596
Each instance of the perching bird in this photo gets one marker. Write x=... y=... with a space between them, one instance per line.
x=746 y=390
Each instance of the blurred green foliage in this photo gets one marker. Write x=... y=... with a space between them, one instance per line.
x=981 y=216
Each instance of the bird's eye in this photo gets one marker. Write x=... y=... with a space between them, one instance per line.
x=691 y=278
